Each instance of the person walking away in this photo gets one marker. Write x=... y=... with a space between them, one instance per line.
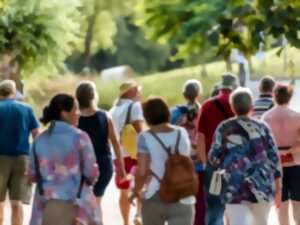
x=186 y=116
x=63 y=164
x=285 y=125
x=127 y=117
x=96 y=123
x=164 y=157
x=214 y=111
x=265 y=99
x=245 y=155
x=17 y=123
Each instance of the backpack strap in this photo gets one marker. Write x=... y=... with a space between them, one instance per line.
x=177 y=142
x=155 y=176
x=128 y=114
x=165 y=148
x=220 y=106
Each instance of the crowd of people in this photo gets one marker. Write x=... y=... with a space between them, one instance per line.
x=225 y=162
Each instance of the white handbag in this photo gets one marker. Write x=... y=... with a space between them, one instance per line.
x=215 y=187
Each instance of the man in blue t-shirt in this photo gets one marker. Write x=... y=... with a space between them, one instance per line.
x=17 y=122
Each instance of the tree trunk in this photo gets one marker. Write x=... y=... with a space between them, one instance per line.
x=88 y=41
x=242 y=74
x=285 y=59
x=228 y=65
x=10 y=69
x=251 y=68
x=203 y=70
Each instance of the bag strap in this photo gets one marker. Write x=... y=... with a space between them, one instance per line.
x=165 y=148
x=128 y=114
x=177 y=142
x=220 y=106
x=38 y=171
x=82 y=178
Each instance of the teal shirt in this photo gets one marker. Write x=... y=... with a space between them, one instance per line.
x=17 y=120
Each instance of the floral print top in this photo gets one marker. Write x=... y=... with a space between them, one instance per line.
x=244 y=148
x=65 y=155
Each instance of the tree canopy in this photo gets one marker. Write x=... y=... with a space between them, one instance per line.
x=38 y=32
x=192 y=25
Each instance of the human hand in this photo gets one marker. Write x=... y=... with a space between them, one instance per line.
x=278 y=199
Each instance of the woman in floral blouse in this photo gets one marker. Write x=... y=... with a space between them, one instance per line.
x=245 y=150
x=64 y=166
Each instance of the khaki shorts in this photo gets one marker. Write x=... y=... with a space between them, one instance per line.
x=13 y=178
x=59 y=212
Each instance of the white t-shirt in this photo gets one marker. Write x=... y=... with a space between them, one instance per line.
x=118 y=113
x=147 y=144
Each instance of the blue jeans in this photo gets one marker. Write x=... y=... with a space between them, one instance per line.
x=215 y=208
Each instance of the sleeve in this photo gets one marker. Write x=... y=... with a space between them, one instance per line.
x=142 y=145
x=272 y=153
x=88 y=162
x=137 y=112
x=217 y=149
x=33 y=122
x=185 y=143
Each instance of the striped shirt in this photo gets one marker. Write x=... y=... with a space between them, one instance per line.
x=262 y=104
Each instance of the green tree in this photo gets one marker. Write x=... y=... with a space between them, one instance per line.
x=36 y=34
x=243 y=24
x=99 y=24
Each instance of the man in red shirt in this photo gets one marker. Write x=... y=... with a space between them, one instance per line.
x=214 y=111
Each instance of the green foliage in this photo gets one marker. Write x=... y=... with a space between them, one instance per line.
x=105 y=14
x=167 y=84
x=131 y=48
x=38 y=32
x=192 y=25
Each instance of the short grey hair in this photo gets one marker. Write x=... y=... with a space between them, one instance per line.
x=241 y=100
x=7 y=88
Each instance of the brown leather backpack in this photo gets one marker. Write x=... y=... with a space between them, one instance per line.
x=180 y=179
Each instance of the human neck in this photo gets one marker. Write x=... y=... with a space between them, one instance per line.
x=163 y=127
x=265 y=93
x=88 y=111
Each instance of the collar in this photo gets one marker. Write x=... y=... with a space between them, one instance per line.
x=61 y=125
x=265 y=96
x=282 y=106
x=225 y=92
x=122 y=101
x=8 y=99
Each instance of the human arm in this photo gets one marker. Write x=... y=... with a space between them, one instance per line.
x=274 y=160
x=143 y=167
x=33 y=125
x=138 y=125
x=201 y=148
x=31 y=170
x=201 y=128
x=137 y=118
x=142 y=174
x=35 y=133
x=116 y=147
x=217 y=150
x=89 y=166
